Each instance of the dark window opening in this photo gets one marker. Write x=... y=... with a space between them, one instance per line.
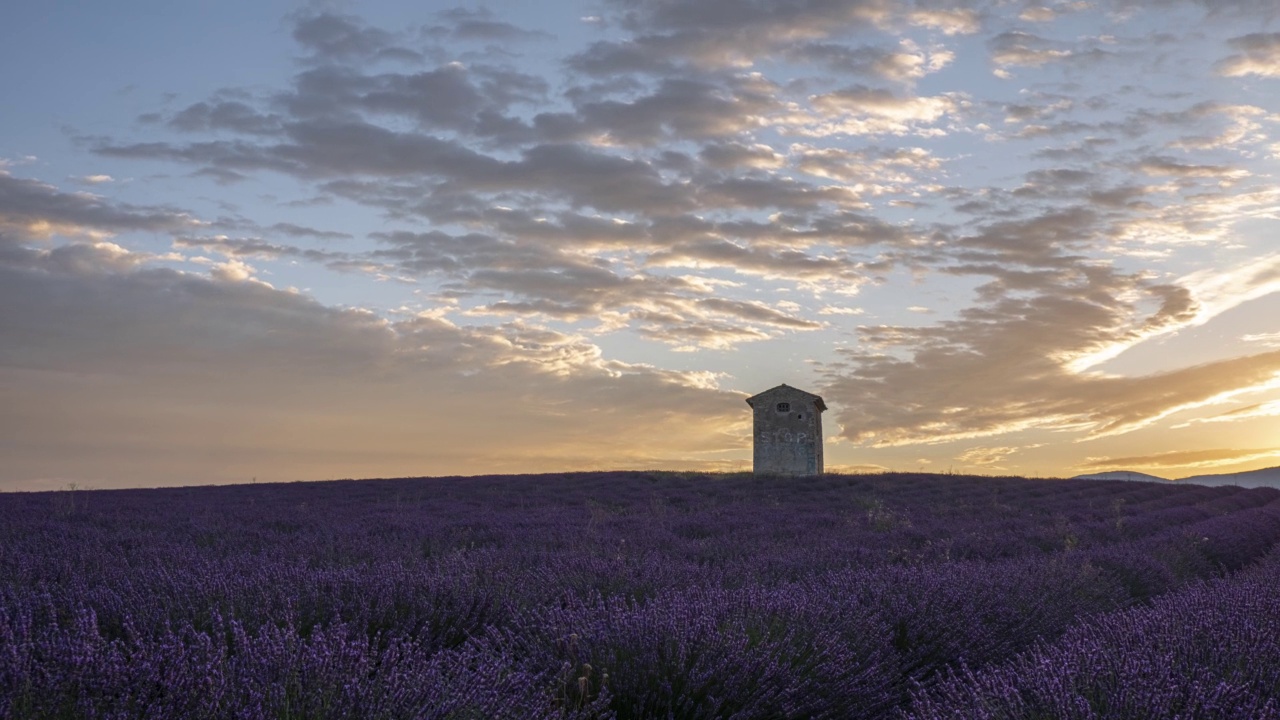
x=800 y=416
x=784 y=407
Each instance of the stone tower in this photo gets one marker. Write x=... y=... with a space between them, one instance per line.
x=787 y=431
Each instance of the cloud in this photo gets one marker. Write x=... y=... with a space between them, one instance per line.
x=789 y=264
x=238 y=248
x=1182 y=458
x=1267 y=339
x=543 y=282
x=926 y=399
x=639 y=55
x=791 y=19
x=1019 y=358
x=337 y=38
x=756 y=312
x=1168 y=166
x=1257 y=410
x=861 y=110
x=951 y=21
x=713 y=335
x=230 y=115
x=1220 y=290
x=1251 y=9
x=481 y=25
x=718 y=34
x=453 y=95
x=836 y=310
x=1008 y=367
x=678 y=109
x=30 y=210
x=731 y=155
x=1018 y=48
x=293 y=230
x=1039 y=107
x=232 y=270
x=905 y=63
x=318 y=150
x=1259 y=55
x=174 y=376
x=1038 y=13
x=875 y=169
x=985 y=456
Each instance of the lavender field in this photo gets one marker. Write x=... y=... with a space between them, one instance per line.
x=643 y=595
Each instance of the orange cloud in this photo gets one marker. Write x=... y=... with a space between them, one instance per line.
x=1184 y=458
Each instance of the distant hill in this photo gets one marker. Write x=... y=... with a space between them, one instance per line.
x=1122 y=475
x=1266 y=477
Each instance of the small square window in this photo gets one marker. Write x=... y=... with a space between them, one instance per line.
x=784 y=407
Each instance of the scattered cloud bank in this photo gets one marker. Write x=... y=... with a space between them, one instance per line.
x=1185 y=459
x=1258 y=54
x=699 y=176
x=150 y=366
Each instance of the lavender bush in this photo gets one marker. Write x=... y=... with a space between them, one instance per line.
x=640 y=595
x=1209 y=652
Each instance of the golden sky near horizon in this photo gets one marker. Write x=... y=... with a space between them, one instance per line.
x=304 y=241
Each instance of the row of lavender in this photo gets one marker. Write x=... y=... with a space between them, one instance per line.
x=628 y=595
x=1208 y=652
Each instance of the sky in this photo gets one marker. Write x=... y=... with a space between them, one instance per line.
x=282 y=241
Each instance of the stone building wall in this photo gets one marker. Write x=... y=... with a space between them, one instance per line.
x=787 y=432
